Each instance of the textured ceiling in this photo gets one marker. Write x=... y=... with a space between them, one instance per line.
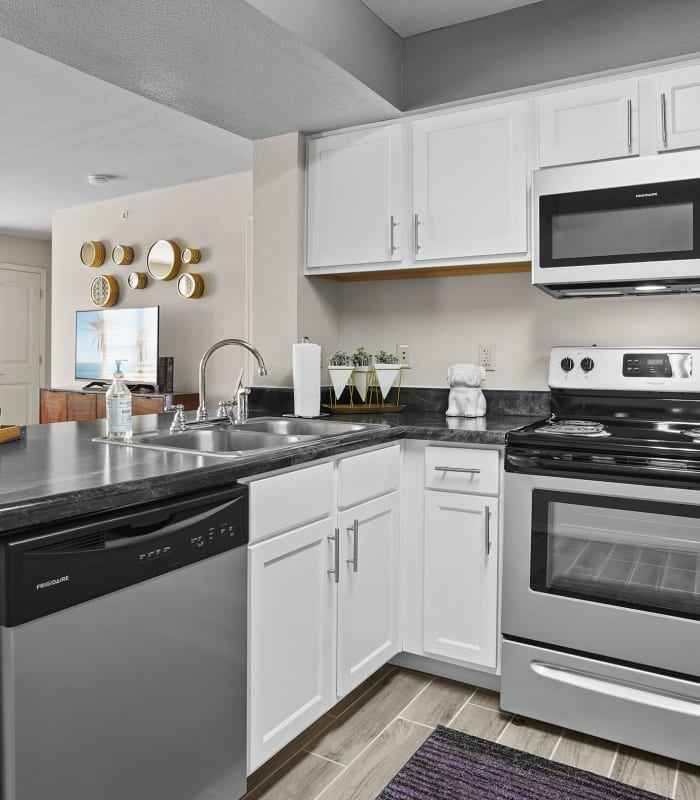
x=155 y=92
x=225 y=63
x=410 y=17
x=59 y=125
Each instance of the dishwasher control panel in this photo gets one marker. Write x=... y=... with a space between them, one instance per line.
x=61 y=566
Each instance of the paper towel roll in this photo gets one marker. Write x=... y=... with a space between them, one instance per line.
x=306 y=370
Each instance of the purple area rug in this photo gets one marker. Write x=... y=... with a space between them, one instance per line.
x=451 y=765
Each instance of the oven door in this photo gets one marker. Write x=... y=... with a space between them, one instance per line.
x=610 y=569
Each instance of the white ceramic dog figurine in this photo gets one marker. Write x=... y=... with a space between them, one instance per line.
x=466 y=397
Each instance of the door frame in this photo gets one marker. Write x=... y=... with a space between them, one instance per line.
x=41 y=272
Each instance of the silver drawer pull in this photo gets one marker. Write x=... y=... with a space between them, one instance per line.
x=629 y=124
x=470 y=470
x=335 y=572
x=355 y=530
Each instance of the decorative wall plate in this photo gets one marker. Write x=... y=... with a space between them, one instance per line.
x=163 y=260
x=104 y=291
x=190 y=285
x=190 y=255
x=123 y=255
x=138 y=280
x=92 y=254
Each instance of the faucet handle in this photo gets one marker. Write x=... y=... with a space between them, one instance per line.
x=179 y=422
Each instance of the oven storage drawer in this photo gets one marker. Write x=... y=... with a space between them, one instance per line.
x=639 y=708
x=461 y=469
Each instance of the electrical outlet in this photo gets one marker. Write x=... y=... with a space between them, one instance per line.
x=402 y=353
x=486 y=357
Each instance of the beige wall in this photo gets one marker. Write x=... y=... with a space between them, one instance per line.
x=25 y=252
x=285 y=304
x=212 y=215
x=443 y=320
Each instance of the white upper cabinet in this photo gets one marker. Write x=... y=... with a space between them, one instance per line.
x=589 y=124
x=354 y=197
x=678 y=114
x=470 y=183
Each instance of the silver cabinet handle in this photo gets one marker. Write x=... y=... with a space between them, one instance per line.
x=629 y=124
x=664 y=128
x=355 y=530
x=336 y=556
x=416 y=223
x=392 y=224
x=470 y=470
x=487 y=532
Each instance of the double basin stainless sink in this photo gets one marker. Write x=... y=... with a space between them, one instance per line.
x=257 y=436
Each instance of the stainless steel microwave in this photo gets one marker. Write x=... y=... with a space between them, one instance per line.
x=629 y=226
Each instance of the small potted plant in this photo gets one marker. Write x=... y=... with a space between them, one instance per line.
x=388 y=370
x=362 y=362
x=340 y=366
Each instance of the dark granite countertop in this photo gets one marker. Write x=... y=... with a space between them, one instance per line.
x=59 y=473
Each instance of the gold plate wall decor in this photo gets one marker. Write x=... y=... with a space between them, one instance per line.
x=104 y=291
x=190 y=255
x=92 y=254
x=190 y=285
x=138 y=280
x=123 y=255
x=163 y=260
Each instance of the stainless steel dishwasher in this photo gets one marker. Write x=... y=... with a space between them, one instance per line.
x=123 y=654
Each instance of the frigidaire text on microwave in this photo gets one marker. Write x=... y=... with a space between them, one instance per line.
x=630 y=226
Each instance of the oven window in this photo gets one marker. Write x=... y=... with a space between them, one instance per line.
x=632 y=553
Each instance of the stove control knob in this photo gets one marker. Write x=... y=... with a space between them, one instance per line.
x=587 y=364
x=567 y=364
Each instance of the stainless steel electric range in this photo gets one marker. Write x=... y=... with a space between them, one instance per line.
x=601 y=575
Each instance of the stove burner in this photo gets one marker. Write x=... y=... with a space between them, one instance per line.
x=577 y=427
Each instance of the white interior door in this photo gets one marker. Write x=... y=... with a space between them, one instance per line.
x=21 y=344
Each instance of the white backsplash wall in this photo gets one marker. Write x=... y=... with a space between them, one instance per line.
x=211 y=215
x=443 y=320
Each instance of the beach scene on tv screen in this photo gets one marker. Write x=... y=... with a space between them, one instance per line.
x=129 y=335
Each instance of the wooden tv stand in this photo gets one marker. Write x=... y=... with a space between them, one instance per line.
x=69 y=405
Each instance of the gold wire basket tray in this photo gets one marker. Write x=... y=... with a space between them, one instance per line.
x=371 y=389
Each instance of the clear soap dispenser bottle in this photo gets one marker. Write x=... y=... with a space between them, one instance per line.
x=118 y=402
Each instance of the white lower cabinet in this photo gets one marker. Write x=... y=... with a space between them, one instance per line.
x=323 y=597
x=368 y=590
x=292 y=620
x=460 y=570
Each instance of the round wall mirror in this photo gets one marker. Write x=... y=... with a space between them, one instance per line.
x=123 y=255
x=163 y=260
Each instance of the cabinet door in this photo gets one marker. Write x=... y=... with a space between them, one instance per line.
x=146 y=405
x=589 y=124
x=368 y=590
x=470 y=183
x=354 y=200
x=291 y=637
x=460 y=616
x=52 y=406
x=678 y=112
x=81 y=406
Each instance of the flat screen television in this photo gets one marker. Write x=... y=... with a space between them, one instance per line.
x=129 y=334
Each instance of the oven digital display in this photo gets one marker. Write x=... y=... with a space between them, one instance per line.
x=657 y=365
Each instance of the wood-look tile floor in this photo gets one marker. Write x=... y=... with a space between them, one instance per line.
x=354 y=750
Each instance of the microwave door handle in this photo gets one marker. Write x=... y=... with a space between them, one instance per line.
x=629 y=124
x=664 y=127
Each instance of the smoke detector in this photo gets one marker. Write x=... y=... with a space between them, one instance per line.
x=98 y=180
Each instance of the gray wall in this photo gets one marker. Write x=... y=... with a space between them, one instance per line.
x=545 y=42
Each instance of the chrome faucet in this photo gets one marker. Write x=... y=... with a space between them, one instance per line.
x=241 y=391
